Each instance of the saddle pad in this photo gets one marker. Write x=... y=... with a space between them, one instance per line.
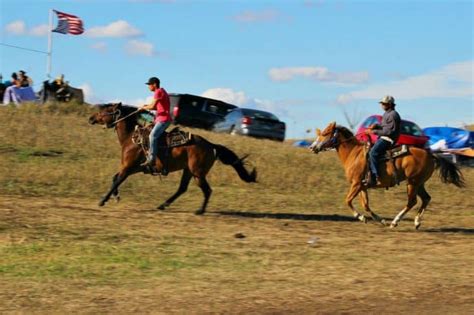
x=177 y=138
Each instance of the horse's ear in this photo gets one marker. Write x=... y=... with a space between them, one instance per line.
x=117 y=106
x=318 y=132
x=333 y=124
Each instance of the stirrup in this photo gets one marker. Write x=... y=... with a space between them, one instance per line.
x=149 y=163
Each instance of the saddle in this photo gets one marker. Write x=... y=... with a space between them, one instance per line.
x=395 y=152
x=167 y=140
x=391 y=155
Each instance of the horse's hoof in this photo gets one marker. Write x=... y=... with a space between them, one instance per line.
x=161 y=207
x=199 y=212
x=117 y=199
x=101 y=203
x=383 y=222
x=417 y=226
x=393 y=225
x=362 y=218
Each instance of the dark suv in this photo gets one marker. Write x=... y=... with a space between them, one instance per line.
x=196 y=111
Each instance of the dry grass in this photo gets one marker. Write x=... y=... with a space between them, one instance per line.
x=59 y=252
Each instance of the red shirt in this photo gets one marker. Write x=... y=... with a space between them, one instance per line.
x=162 y=106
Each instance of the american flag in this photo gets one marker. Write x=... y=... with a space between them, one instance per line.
x=68 y=24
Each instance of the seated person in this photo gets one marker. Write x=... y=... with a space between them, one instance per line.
x=15 y=93
x=24 y=80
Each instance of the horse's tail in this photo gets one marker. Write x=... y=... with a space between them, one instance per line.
x=228 y=157
x=449 y=173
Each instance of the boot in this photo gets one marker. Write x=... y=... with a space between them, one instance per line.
x=371 y=182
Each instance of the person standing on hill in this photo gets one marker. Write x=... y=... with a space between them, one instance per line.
x=388 y=132
x=160 y=103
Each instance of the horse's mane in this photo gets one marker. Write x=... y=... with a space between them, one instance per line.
x=345 y=132
x=127 y=109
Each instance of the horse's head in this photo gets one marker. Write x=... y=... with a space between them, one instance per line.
x=326 y=139
x=107 y=114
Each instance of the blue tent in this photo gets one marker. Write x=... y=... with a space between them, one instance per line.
x=455 y=138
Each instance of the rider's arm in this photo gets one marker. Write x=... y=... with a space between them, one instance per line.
x=151 y=106
x=389 y=125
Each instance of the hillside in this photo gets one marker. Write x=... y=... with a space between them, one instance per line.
x=286 y=244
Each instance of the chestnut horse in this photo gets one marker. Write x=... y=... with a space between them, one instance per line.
x=195 y=158
x=416 y=168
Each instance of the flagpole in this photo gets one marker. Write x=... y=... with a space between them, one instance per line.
x=50 y=44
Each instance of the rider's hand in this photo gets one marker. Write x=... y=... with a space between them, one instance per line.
x=368 y=131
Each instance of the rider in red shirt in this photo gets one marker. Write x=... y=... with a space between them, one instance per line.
x=160 y=103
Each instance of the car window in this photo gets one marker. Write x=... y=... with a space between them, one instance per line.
x=232 y=115
x=217 y=108
x=370 y=121
x=194 y=102
x=260 y=114
x=410 y=129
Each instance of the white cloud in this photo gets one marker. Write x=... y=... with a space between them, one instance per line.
x=321 y=74
x=451 y=81
x=240 y=99
x=16 y=28
x=19 y=28
x=99 y=46
x=227 y=95
x=140 y=101
x=115 y=29
x=268 y=15
x=88 y=93
x=136 y=47
x=39 y=30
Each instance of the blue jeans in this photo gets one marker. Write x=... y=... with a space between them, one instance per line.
x=155 y=133
x=376 y=153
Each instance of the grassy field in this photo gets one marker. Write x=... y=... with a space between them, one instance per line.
x=284 y=245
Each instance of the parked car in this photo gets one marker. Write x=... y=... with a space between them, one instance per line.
x=252 y=122
x=196 y=111
x=410 y=133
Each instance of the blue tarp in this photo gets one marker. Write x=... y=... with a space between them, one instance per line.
x=454 y=138
x=301 y=144
x=17 y=95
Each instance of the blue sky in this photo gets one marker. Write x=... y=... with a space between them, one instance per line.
x=306 y=61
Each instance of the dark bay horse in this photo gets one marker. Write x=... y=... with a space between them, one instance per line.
x=195 y=158
x=416 y=168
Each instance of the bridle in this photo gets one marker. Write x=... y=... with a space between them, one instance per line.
x=333 y=142
x=115 y=116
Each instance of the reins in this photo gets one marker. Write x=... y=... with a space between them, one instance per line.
x=123 y=118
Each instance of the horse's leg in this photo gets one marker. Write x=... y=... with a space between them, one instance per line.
x=183 y=186
x=411 y=192
x=119 y=179
x=206 y=190
x=364 y=199
x=353 y=191
x=425 y=200
x=115 y=194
